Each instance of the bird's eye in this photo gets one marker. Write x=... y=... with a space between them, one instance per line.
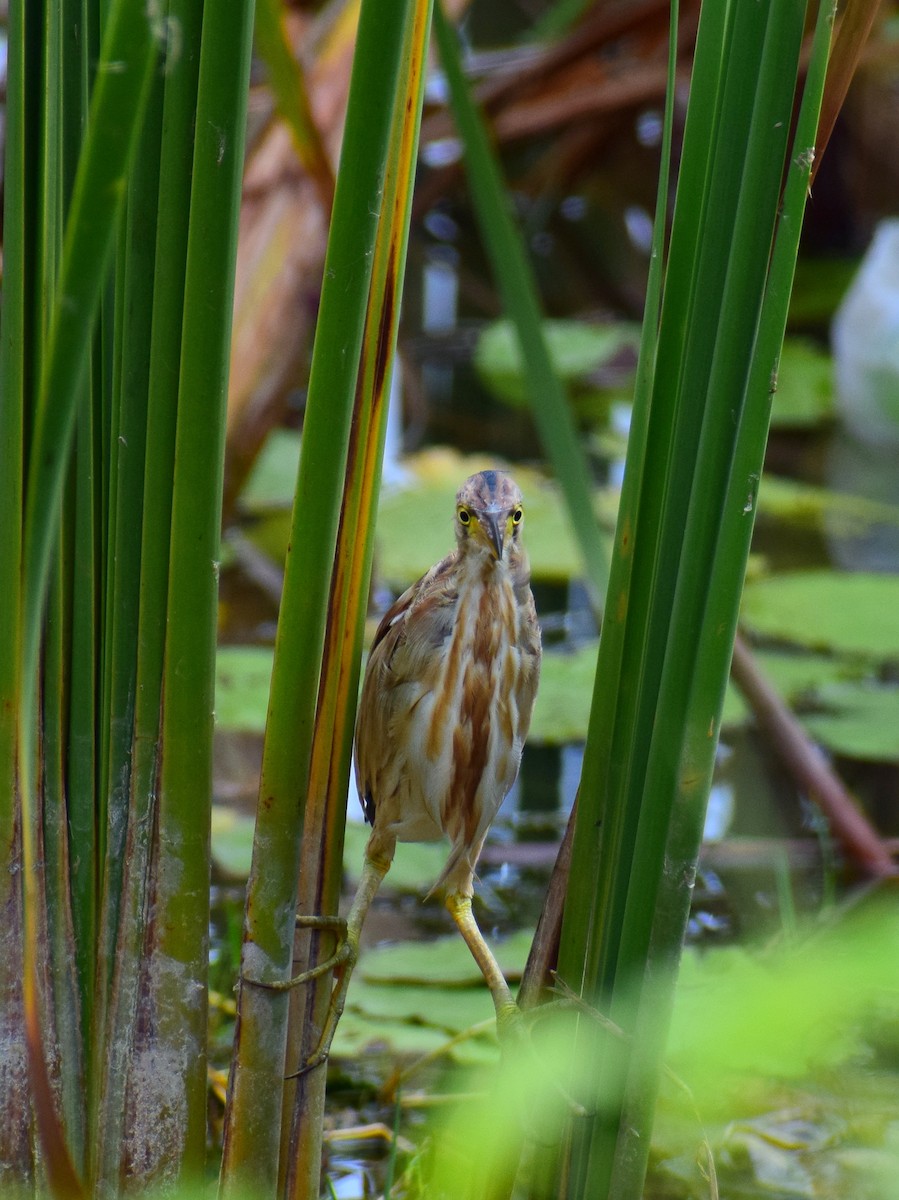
x=516 y=516
x=464 y=516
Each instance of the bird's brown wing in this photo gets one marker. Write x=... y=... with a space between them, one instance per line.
x=401 y=651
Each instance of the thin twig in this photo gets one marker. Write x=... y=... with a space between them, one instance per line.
x=809 y=767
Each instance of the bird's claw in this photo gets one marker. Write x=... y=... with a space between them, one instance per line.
x=344 y=954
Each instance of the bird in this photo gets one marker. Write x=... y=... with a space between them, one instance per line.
x=444 y=711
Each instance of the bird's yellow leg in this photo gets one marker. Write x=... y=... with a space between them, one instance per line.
x=507 y=1011
x=347 y=929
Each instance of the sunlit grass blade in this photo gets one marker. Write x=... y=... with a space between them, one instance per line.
x=641 y=779
x=255 y=1102
x=178 y=952
x=60 y=363
x=321 y=865
x=515 y=279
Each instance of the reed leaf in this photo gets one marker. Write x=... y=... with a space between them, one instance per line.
x=651 y=744
x=321 y=865
x=255 y=1103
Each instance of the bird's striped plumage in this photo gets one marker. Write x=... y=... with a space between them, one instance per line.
x=449 y=688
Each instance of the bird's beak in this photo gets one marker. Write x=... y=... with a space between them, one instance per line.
x=495 y=528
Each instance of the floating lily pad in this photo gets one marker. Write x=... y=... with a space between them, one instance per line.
x=271 y=533
x=272 y=481
x=232 y=841
x=560 y=715
x=415 y=525
x=804 y=504
x=804 y=395
x=358 y=1036
x=797 y=677
x=415 y=868
x=443 y=961
x=580 y=351
x=452 y=1009
x=848 y=614
x=242 y=679
x=863 y=721
x=562 y=709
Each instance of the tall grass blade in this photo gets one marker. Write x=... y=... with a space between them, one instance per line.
x=652 y=740
x=321 y=865
x=253 y=1119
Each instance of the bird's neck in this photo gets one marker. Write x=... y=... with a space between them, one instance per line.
x=483 y=569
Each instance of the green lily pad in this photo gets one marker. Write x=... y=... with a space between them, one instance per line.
x=415 y=868
x=845 y=614
x=819 y=286
x=562 y=709
x=578 y=350
x=232 y=841
x=560 y=714
x=358 y=1036
x=242 y=678
x=442 y=961
x=862 y=723
x=272 y=480
x=270 y=533
x=797 y=677
x=451 y=1009
x=806 y=505
x=804 y=395
x=415 y=525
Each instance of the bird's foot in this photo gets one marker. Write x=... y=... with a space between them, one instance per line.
x=335 y=925
x=344 y=961
x=511 y=1027
x=515 y=1029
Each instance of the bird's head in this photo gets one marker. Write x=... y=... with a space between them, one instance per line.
x=489 y=514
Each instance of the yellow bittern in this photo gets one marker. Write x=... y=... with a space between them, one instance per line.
x=444 y=712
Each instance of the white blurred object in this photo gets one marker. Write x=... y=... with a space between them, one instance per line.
x=865 y=340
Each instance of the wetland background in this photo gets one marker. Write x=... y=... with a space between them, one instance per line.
x=579 y=137
x=171 y=664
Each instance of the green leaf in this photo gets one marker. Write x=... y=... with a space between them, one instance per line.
x=415 y=868
x=273 y=478
x=415 y=525
x=864 y=722
x=804 y=395
x=560 y=714
x=798 y=678
x=452 y=1010
x=804 y=504
x=848 y=614
x=242 y=678
x=358 y=1037
x=442 y=961
x=562 y=710
x=232 y=841
x=580 y=352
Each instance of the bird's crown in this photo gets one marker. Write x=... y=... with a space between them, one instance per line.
x=489 y=491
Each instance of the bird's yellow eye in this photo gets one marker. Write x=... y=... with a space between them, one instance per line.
x=464 y=516
x=517 y=514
